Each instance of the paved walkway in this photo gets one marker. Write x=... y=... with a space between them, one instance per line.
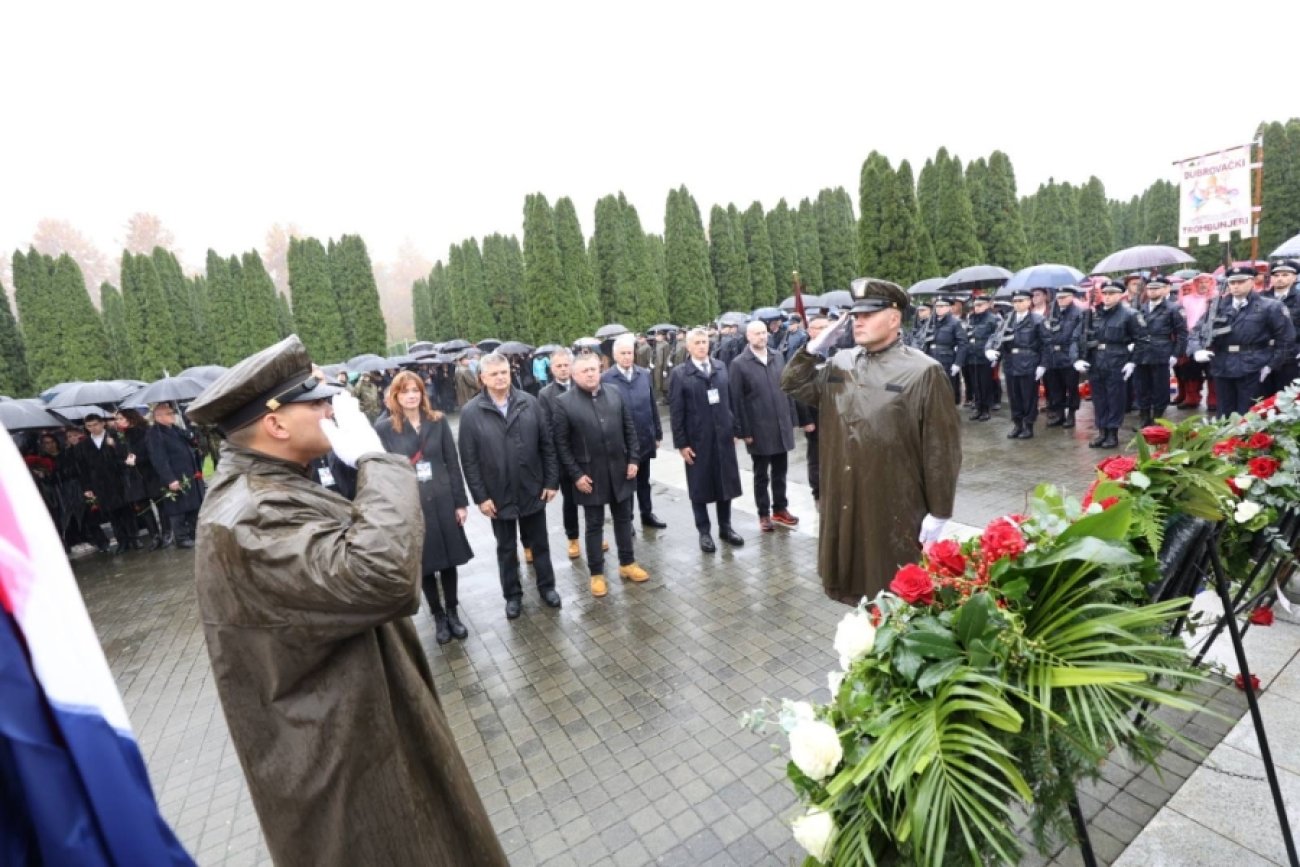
x=606 y=733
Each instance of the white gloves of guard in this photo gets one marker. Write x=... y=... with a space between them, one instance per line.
x=1264 y=372
x=931 y=528
x=1081 y=366
x=819 y=344
x=1128 y=369
x=992 y=355
x=1203 y=355
x=1173 y=362
x=349 y=432
x=1039 y=371
x=954 y=370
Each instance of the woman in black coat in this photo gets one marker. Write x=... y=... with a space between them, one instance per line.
x=140 y=483
x=415 y=429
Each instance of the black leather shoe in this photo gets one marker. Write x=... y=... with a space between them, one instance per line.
x=441 y=632
x=185 y=543
x=167 y=541
x=651 y=521
x=156 y=543
x=455 y=627
x=731 y=537
x=551 y=598
x=512 y=609
x=1026 y=432
x=706 y=544
x=1068 y=421
x=983 y=416
x=1015 y=433
x=1056 y=421
x=1112 y=439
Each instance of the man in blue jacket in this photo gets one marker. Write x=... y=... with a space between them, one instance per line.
x=634 y=384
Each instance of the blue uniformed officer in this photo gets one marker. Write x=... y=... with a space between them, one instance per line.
x=922 y=323
x=1108 y=333
x=1163 y=330
x=1064 y=326
x=981 y=325
x=1283 y=277
x=1023 y=340
x=947 y=343
x=1243 y=338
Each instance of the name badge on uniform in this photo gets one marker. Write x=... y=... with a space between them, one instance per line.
x=713 y=396
x=424 y=471
x=326 y=477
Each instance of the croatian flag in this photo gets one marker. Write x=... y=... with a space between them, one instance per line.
x=73 y=786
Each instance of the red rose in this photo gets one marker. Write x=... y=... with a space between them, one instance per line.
x=1260 y=441
x=1265 y=405
x=1262 y=616
x=1108 y=502
x=875 y=615
x=1087 y=495
x=1223 y=448
x=1262 y=468
x=1001 y=538
x=945 y=558
x=913 y=584
x=1155 y=435
x=1241 y=683
x=1232 y=486
x=1118 y=466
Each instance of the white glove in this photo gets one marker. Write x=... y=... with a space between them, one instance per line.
x=992 y=355
x=1203 y=355
x=1128 y=369
x=931 y=527
x=1173 y=362
x=1039 y=371
x=349 y=432
x=955 y=369
x=819 y=344
x=1081 y=366
x=1264 y=372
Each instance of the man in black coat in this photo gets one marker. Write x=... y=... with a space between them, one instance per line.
x=1282 y=288
x=699 y=403
x=946 y=343
x=561 y=383
x=100 y=462
x=764 y=419
x=981 y=325
x=1163 y=339
x=509 y=463
x=633 y=384
x=1107 y=334
x=596 y=441
x=1064 y=327
x=1024 y=343
x=177 y=467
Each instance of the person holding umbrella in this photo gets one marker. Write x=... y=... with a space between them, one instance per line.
x=1109 y=362
x=100 y=463
x=142 y=483
x=172 y=456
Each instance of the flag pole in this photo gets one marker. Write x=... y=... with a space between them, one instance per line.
x=798 y=298
x=1257 y=201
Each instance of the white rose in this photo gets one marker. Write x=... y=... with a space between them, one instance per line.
x=815 y=830
x=833 y=681
x=815 y=749
x=1244 y=482
x=854 y=637
x=1245 y=511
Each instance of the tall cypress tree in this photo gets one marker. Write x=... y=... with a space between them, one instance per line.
x=644 y=301
x=692 y=294
x=64 y=335
x=553 y=311
x=258 y=291
x=15 y=379
x=898 y=247
x=928 y=188
x=1050 y=238
x=85 y=345
x=196 y=288
x=807 y=244
x=876 y=174
x=758 y=250
x=728 y=263
x=224 y=312
x=785 y=258
x=575 y=264
x=1285 y=217
x=837 y=235
x=283 y=317
x=34 y=295
x=353 y=280
x=955 y=244
x=1001 y=232
x=1070 y=198
x=654 y=246
x=440 y=308
x=148 y=318
x=1160 y=214
x=471 y=299
x=316 y=312
x=422 y=309
x=121 y=359
x=189 y=339
x=1096 y=234
x=503 y=297
x=514 y=256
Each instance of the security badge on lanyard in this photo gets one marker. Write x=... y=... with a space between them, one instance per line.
x=713 y=396
x=423 y=471
x=326 y=477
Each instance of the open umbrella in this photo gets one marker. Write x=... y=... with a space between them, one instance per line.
x=733 y=317
x=766 y=313
x=662 y=326
x=402 y=360
x=613 y=329
x=929 y=286
x=547 y=349
x=454 y=345
x=586 y=344
x=103 y=391
x=49 y=393
x=975 y=277
x=419 y=346
x=1186 y=274
x=77 y=413
x=332 y=370
x=787 y=303
x=488 y=344
x=1043 y=277
x=27 y=415
x=1290 y=249
x=1142 y=256
x=514 y=347
x=833 y=298
x=171 y=388
x=370 y=365
x=358 y=359
x=204 y=373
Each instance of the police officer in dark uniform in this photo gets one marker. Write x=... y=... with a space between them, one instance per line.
x=1108 y=332
x=1244 y=339
x=1023 y=340
x=1062 y=381
x=982 y=323
x=922 y=324
x=947 y=343
x=1283 y=289
x=1163 y=338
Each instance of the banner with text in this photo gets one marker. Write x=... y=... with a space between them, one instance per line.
x=1214 y=196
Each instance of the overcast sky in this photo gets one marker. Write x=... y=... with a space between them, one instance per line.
x=432 y=121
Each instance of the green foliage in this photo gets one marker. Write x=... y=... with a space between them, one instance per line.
x=808 y=249
x=187 y=322
x=148 y=319
x=503 y=276
x=443 y=320
x=263 y=324
x=785 y=258
x=121 y=360
x=644 y=304
x=1280 y=213
x=422 y=309
x=469 y=294
x=692 y=294
x=357 y=296
x=39 y=317
x=728 y=261
x=928 y=188
x=283 y=317
x=196 y=288
x=997 y=215
x=575 y=265
x=905 y=254
x=316 y=312
x=555 y=313
x=15 y=379
x=1160 y=214
x=875 y=183
x=955 y=243
x=836 y=235
x=758 y=253
x=654 y=247
x=1050 y=237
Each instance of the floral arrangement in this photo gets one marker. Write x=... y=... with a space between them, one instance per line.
x=990 y=677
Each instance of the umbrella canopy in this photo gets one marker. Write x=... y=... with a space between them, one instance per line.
x=370 y=365
x=767 y=313
x=733 y=317
x=1043 y=277
x=454 y=345
x=76 y=413
x=547 y=349
x=976 y=277
x=613 y=329
x=1142 y=256
x=171 y=388
x=363 y=357
x=1186 y=274
x=662 y=326
x=332 y=370
x=488 y=344
x=81 y=393
x=27 y=415
x=514 y=347
x=835 y=298
x=929 y=286
x=419 y=346
x=50 y=392
x=586 y=343
x=204 y=373
x=401 y=360
x=787 y=303
x=1289 y=250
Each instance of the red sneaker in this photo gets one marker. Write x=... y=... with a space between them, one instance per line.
x=783 y=517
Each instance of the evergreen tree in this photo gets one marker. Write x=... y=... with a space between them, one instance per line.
x=121 y=359
x=728 y=262
x=1289 y=207
x=647 y=304
x=39 y=316
x=258 y=290
x=189 y=338
x=654 y=246
x=353 y=280
x=224 y=314
x=554 y=311
x=283 y=317
x=785 y=258
x=84 y=345
x=807 y=244
x=898 y=246
x=873 y=190
x=422 y=309
x=955 y=244
x=149 y=324
x=443 y=320
x=1280 y=201
x=504 y=297
x=15 y=378
x=928 y=188
x=1096 y=233
x=1001 y=232
x=692 y=294
x=1160 y=214
x=316 y=312
x=196 y=288
x=575 y=265
x=514 y=255
x=758 y=252
x=471 y=297
x=1070 y=195
x=1050 y=237
x=927 y=262
x=605 y=253
x=837 y=237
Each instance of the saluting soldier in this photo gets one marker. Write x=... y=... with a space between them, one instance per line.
x=981 y=325
x=1024 y=341
x=947 y=343
x=1246 y=337
x=1163 y=330
x=1108 y=333
x=1061 y=379
x=1283 y=277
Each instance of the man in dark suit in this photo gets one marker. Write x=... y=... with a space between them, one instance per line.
x=99 y=463
x=764 y=419
x=595 y=440
x=633 y=384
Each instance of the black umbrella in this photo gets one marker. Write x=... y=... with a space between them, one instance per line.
x=363 y=357
x=204 y=373
x=514 y=347
x=547 y=349
x=833 y=298
x=27 y=415
x=172 y=388
x=613 y=329
x=929 y=286
x=81 y=393
x=332 y=370
x=1142 y=256
x=454 y=345
x=787 y=303
x=370 y=365
x=488 y=344
x=402 y=360
x=586 y=343
x=1290 y=249
x=662 y=326
x=733 y=317
x=975 y=277
x=77 y=413
x=419 y=346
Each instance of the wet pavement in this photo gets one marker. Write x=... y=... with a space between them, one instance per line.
x=604 y=733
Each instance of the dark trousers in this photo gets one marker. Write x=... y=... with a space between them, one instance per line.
x=1282 y=377
x=1152 y=388
x=702 y=515
x=569 y=507
x=1062 y=389
x=144 y=518
x=773 y=467
x=532 y=529
x=996 y=370
x=1237 y=393
x=1022 y=391
x=429 y=583
x=1109 y=397
x=954 y=379
x=182 y=525
x=814 y=464
x=621 y=512
x=968 y=374
x=643 y=501
x=982 y=386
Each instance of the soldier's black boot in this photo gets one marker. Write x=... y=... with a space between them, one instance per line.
x=1057 y=419
x=1068 y=420
x=1015 y=432
x=456 y=628
x=1027 y=431
x=1096 y=442
x=441 y=629
x=983 y=415
x=1112 y=439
